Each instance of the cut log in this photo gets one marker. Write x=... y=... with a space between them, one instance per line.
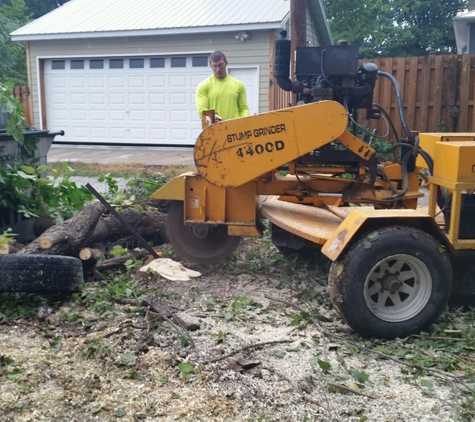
x=70 y=236
x=93 y=254
x=46 y=243
x=149 y=224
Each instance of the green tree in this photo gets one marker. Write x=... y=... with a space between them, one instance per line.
x=38 y=8
x=395 y=28
x=12 y=54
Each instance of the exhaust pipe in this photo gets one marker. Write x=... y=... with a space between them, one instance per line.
x=282 y=65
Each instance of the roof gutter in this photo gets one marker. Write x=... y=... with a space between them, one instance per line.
x=148 y=32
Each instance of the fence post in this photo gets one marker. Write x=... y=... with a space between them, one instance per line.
x=451 y=109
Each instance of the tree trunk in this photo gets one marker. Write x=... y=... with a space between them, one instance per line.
x=91 y=227
x=149 y=224
x=70 y=236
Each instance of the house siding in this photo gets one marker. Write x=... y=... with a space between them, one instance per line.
x=252 y=52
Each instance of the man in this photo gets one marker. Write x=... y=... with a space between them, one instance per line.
x=221 y=92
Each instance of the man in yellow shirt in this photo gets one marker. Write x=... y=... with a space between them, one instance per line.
x=221 y=92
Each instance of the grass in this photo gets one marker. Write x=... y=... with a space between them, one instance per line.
x=124 y=170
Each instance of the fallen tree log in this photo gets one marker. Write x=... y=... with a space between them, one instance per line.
x=70 y=236
x=94 y=254
x=149 y=224
x=92 y=227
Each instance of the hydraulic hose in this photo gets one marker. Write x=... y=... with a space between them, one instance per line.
x=399 y=103
x=287 y=85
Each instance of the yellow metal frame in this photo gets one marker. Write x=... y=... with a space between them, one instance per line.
x=365 y=217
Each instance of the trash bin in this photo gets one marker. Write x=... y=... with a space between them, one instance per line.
x=10 y=151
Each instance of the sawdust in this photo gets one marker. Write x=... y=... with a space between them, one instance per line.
x=112 y=369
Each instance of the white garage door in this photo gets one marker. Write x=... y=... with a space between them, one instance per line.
x=130 y=100
x=147 y=100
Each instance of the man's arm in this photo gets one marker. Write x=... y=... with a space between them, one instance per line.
x=242 y=102
x=201 y=98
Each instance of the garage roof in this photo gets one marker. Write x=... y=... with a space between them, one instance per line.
x=461 y=28
x=106 y=18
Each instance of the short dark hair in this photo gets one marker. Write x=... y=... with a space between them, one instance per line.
x=216 y=56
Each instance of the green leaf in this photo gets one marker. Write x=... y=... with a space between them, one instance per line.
x=120 y=413
x=163 y=379
x=186 y=369
x=29 y=169
x=314 y=362
x=373 y=236
x=128 y=359
x=427 y=384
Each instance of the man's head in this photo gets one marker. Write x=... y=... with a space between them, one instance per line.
x=218 y=63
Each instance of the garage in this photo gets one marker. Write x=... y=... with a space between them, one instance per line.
x=110 y=72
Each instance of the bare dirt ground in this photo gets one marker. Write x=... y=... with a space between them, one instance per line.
x=104 y=355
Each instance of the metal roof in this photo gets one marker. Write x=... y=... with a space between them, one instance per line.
x=105 y=18
x=465 y=16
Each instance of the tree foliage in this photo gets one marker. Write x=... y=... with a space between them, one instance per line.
x=38 y=8
x=12 y=54
x=395 y=28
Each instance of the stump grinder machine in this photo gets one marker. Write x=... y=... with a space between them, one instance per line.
x=321 y=187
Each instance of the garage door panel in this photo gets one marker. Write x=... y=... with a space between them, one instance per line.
x=157 y=98
x=158 y=116
x=77 y=98
x=137 y=115
x=179 y=98
x=137 y=98
x=118 y=133
x=98 y=132
x=178 y=81
x=158 y=135
x=60 y=114
x=79 y=132
x=79 y=114
x=117 y=115
x=96 y=82
x=124 y=105
x=178 y=133
x=59 y=98
x=136 y=82
x=97 y=115
x=117 y=98
x=58 y=82
x=77 y=82
x=116 y=82
x=156 y=81
x=178 y=116
x=97 y=98
x=137 y=133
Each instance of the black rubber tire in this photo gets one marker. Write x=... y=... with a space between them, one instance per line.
x=409 y=254
x=40 y=273
x=215 y=247
x=463 y=291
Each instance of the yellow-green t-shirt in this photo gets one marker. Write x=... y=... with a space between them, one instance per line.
x=227 y=96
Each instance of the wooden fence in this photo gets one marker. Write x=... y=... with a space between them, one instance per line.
x=23 y=94
x=438 y=93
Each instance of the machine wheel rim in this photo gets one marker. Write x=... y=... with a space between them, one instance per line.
x=415 y=288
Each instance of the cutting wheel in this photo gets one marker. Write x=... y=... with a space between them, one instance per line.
x=205 y=244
